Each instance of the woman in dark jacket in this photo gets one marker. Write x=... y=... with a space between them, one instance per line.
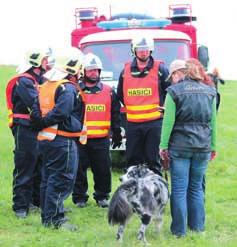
x=188 y=138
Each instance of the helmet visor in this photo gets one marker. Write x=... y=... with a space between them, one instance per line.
x=91 y=67
x=142 y=48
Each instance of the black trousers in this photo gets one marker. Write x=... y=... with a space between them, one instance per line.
x=94 y=154
x=142 y=144
x=36 y=183
x=59 y=169
x=26 y=168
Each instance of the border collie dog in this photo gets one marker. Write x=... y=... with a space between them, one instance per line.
x=142 y=192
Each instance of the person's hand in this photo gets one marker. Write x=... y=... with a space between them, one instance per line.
x=213 y=155
x=165 y=159
x=37 y=124
x=161 y=109
x=36 y=121
x=116 y=139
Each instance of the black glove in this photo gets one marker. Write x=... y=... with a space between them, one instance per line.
x=37 y=123
x=116 y=139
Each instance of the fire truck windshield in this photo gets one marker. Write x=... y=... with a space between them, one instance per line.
x=114 y=54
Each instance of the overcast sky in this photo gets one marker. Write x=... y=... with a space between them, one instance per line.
x=25 y=24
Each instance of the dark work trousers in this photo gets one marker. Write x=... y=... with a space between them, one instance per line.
x=59 y=169
x=36 y=183
x=25 y=158
x=94 y=154
x=143 y=140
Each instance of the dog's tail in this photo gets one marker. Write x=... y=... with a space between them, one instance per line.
x=120 y=209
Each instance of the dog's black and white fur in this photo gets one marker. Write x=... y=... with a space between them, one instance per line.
x=143 y=192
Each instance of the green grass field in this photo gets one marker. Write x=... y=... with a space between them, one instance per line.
x=221 y=197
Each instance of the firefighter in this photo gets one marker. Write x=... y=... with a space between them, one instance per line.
x=141 y=89
x=21 y=92
x=59 y=113
x=102 y=114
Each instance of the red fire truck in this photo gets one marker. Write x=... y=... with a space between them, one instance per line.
x=110 y=38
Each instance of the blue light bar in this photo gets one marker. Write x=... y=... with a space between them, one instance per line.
x=181 y=12
x=159 y=23
x=86 y=14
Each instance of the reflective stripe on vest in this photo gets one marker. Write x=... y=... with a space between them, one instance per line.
x=46 y=99
x=141 y=95
x=9 y=89
x=12 y=115
x=50 y=133
x=98 y=113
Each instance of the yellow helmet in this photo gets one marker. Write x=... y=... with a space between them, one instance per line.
x=35 y=57
x=71 y=64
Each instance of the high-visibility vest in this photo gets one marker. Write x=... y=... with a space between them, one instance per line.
x=98 y=112
x=47 y=103
x=141 y=95
x=9 y=90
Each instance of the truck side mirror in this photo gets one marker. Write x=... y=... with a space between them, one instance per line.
x=203 y=56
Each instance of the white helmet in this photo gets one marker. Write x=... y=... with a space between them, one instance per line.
x=91 y=61
x=34 y=59
x=142 y=42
